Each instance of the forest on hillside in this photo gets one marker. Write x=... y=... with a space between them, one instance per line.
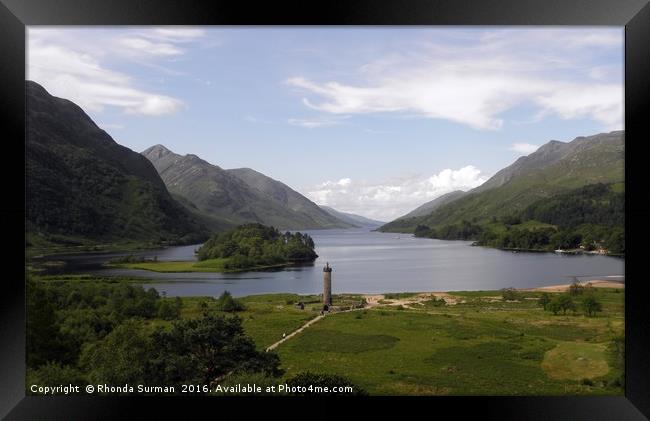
x=590 y=217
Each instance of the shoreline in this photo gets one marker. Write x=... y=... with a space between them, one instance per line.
x=450 y=296
x=374 y=300
x=596 y=283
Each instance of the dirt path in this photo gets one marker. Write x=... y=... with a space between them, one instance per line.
x=372 y=301
x=295 y=332
x=306 y=325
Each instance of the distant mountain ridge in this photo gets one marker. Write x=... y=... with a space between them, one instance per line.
x=551 y=153
x=351 y=218
x=289 y=198
x=237 y=196
x=434 y=204
x=83 y=186
x=554 y=168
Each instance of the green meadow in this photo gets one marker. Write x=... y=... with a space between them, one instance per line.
x=480 y=346
x=210 y=265
x=472 y=343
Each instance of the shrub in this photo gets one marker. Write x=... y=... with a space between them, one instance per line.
x=591 y=306
x=169 y=309
x=562 y=302
x=226 y=302
x=544 y=300
x=510 y=294
x=576 y=289
x=204 y=349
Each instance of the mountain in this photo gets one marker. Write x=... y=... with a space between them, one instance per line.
x=237 y=196
x=556 y=153
x=84 y=187
x=555 y=168
x=351 y=218
x=429 y=207
x=289 y=198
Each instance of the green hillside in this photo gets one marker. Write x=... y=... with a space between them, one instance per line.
x=530 y=190
x=84 y=188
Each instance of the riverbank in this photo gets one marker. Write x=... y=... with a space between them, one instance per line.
x=410 y=299
x=593 y=284
x=51 y=249
x=184 y=266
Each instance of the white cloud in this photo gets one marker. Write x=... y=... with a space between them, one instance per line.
x=311 y=123
x=473 y=83
x=162 y=41
x=78 y=67
x=394 y=197
x=523 y=148
x=144 y=46
x=600 y=102
x=176 y=33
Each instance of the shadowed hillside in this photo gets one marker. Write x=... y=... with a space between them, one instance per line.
x=237 y=196
x=82 y=186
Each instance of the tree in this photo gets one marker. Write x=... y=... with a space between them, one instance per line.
x=544 y=300
x=591 y=306
x=204 y=349
x=226 y=302
x=169 y=309
x=562 y=302
x=54 y=374
x=121 y=357
x=554 y=306
x=44 y=339
x=575 y=288
x=510 y=294
x=255 y=244
x=566 y=303
x=422 y=231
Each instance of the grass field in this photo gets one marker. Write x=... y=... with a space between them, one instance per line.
x=482 y=346
x=266 y=317
x=210 y=265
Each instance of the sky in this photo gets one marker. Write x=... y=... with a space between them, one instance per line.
x=370 y=120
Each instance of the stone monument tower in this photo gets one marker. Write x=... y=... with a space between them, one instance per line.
x=327 y=285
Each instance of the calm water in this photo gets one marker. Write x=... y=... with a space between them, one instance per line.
x=373 y=262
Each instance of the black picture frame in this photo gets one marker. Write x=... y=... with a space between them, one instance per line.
x=15 y=15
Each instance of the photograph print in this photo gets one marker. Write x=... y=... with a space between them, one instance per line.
x=285 y=211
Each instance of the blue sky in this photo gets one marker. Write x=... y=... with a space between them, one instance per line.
x=374 y=120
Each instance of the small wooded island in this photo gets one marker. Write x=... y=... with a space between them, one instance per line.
x=246 y=247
